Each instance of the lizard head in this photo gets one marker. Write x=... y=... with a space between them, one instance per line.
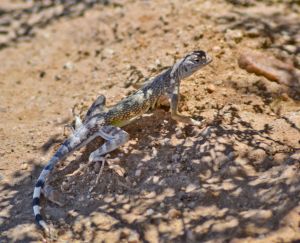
x=190 y=64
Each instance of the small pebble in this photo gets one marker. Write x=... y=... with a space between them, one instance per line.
x=191 y=188
x=68 y=65
x=73 y=213
x=233 y=36
x=126 y=207
x=24 y=166
x=150 y=194
x=216 y=48
x=290 y=48
x=174 y=213
x=191 y=204
x=133 y=237
x=210 y=88
x=155 y=179
x=57 y=77
x=149 y=212
x=253 y=33
x=138 y=173
x=65 y=186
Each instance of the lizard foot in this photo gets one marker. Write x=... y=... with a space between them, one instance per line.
x=111 y=164
x=102 y=160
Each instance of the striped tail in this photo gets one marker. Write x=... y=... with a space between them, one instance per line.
x=82 y=136
x=61 y=153
x=79 y=139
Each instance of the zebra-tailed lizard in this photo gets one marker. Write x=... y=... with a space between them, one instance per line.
x=106 y=123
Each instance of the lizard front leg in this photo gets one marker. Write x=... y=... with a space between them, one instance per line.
x=175 y=96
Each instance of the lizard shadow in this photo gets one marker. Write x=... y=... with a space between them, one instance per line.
x=220 y=182
x=182 y=184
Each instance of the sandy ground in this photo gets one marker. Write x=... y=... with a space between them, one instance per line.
x=235 y=179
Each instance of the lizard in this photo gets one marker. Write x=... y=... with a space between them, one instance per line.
x=108 y=123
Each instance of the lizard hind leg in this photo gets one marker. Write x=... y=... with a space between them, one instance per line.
x=115 y=137
x=98 y=106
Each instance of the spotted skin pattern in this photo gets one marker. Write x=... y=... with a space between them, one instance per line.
x=100 y=122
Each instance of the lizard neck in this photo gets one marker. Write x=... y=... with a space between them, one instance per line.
x=170 y=78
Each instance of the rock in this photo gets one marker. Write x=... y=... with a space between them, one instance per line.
x=164 y=141
x=150 y=195
x=108 y=53
x=296 y=156
x=68 y=65
x=290 y=48
x=271 y=68
x=191 y=188
x=65 y=186
x=73 y=213
x=155 y=179
x=258 y=155
x=126 y=207
x=24 y=166
x=138 y=173
x=210 y=88
x=174 y=213
x=57 y=77
x=294 y=118
x=134 y=237
x=216 y=48
x=179 y=132
x=149 y=212
x=254 y=32
x=233 y=36
x=175 y=141
x=158 y=62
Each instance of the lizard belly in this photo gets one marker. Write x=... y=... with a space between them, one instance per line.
x=124 y=122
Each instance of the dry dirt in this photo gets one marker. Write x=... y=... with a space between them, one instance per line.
x=235 y=179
